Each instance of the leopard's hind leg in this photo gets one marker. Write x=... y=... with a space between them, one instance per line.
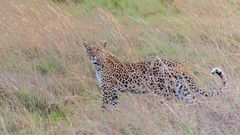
x=182 y=92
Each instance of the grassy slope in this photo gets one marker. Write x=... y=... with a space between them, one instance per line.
x=47 y=85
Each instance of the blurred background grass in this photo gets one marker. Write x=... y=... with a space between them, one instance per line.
x=47 y=85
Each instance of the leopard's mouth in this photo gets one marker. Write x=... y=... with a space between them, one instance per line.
x=94 y=60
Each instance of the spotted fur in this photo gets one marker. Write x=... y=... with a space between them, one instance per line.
x=167 y=79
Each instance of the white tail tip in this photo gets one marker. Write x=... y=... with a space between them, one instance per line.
x=216 y=71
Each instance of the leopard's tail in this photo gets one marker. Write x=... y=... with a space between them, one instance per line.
x=216 y=91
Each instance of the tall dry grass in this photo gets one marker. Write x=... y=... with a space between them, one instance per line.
x=47 y=85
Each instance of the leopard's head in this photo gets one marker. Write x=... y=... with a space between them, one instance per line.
x=95 y=51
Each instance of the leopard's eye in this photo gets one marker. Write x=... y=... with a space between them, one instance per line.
x=97 y=49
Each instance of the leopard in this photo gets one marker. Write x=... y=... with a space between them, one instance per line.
x=167 y=79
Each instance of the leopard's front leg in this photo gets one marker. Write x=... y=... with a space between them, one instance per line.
x=110 y=95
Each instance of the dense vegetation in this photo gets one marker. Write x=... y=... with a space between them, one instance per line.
x=47 y=85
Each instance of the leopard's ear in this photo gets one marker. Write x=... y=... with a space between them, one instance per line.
x=104 y=44
x=85 y=43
